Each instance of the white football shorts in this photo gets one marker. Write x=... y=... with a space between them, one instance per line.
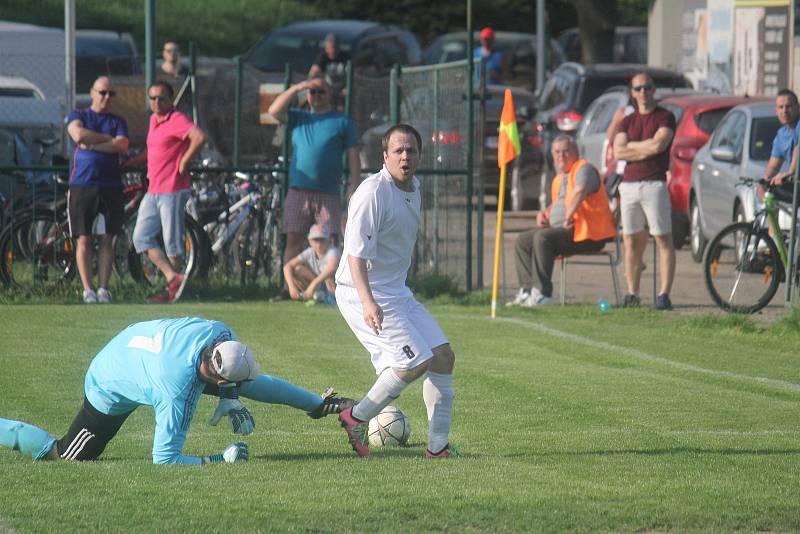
x=409 y=332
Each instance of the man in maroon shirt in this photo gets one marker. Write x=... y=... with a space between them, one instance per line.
x=644 y=140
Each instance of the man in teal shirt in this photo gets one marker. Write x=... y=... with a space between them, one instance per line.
x=167 y=364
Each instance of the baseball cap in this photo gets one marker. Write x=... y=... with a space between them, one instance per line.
x=319 y=231
x=234 y=362
x=487 y=33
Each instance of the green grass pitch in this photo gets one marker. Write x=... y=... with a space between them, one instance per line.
x=568 y=420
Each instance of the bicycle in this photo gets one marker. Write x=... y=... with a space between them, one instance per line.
x=245 y=236
x=744 y=263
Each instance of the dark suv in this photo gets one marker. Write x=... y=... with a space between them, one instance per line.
x=572 y=87
x=372 y=47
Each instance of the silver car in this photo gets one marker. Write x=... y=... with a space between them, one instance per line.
x=739 y=147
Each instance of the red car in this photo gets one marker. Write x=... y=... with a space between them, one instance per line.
x=696 y=117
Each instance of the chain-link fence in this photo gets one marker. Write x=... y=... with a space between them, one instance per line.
x=433 y=99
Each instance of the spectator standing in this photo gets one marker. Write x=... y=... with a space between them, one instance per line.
x=167 y=364
x=313 y=269
x=172 y=141
x=404 y=341
x=171 y=67
x=95 y=186
x=644 y=140
x=319 y=138
x=331 y=62
x=493 y=58
x=578 y=220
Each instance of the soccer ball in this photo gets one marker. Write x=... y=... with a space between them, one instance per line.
x=389 y=428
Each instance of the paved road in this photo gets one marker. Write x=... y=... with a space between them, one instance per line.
x=586 y=284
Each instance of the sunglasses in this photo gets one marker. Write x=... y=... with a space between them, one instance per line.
x=645 y=87
x=106 y=93
x=172 y=50
x=317 y=91
x=160 y=98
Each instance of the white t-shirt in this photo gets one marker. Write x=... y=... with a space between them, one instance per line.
x=309 y=258
x=382 y=224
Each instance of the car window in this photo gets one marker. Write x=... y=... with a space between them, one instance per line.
x=601 y=115
x=708 y=120
x=677 y=112
x=762 y=133
x=277 y=50
x=730 y=133
x=556 y=91
x=634 y=48
x=18 y=92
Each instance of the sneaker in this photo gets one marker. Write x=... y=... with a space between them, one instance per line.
x=663 y=303
x=631 y=301
x=357 y=432
x=162 y=297
x=535 y=298
x=103 y=296
x=175 y=287
x=331 y=405
x=449 y=451
x=519 y=300
x=89 y=296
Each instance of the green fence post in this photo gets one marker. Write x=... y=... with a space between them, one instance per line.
x=348 y=88
x=470 y=162
x=436 y=167
x=192 y=80
x=149 y=47
x=394 y=93
x=237 y=111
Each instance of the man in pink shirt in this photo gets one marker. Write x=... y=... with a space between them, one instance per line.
x=172 y=141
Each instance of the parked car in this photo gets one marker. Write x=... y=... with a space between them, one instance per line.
x=518 y=49
x=630 y=44
x=696 y=117
x=740 y=146
x=444 y=139
x=373 y=48
x=573 y=87
x=102 y=53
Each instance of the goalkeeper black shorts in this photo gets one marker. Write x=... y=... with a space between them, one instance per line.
x=89 y=433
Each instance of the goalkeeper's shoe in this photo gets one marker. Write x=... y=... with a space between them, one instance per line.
x=357 y=432
x=449 y=451
x=331 y=405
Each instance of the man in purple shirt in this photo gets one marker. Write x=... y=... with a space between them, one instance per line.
x=95 y=186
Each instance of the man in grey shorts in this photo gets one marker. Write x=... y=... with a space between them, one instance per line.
x=644 y=140
x=577 y=220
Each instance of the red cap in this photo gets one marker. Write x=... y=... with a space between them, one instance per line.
x=487 y=33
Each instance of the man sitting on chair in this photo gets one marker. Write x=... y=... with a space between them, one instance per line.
x=578 y=220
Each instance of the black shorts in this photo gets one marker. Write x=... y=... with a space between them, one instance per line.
x=86 y=203
x=89 y=433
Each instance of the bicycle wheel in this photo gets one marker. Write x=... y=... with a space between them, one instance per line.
x=37 y=250
x=247 y=250
x=195 y=259
x=742 y=268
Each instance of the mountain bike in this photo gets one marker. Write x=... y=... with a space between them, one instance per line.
x=745 y=263
x=245 y=236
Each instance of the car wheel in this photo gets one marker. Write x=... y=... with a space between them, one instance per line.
x=696 y=237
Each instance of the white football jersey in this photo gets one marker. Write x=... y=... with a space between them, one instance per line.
x=382 y=224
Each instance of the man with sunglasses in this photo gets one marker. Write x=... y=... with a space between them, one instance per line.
x=167 y=364
x=172 y=141
x=319 y=138
x=95 y=202
x=644 y=140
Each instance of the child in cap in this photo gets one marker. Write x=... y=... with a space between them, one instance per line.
x=311 y=272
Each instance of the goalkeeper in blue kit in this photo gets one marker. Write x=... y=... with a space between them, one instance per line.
x=167 y=364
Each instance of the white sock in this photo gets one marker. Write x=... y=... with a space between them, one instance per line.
x=437 y=391
x=387 y=387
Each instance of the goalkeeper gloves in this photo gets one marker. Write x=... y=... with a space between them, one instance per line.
x=242 y=421
x=232 y=454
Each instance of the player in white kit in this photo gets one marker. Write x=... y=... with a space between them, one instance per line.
x=404 y=341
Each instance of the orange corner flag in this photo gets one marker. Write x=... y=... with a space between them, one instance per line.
x=508 y=142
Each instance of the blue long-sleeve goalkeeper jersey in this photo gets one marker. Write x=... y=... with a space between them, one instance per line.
x=155 y=363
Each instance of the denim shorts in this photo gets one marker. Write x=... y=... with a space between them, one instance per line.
x=161 y=215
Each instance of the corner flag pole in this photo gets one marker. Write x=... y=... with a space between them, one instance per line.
x=508 y=148
x=498 y=238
